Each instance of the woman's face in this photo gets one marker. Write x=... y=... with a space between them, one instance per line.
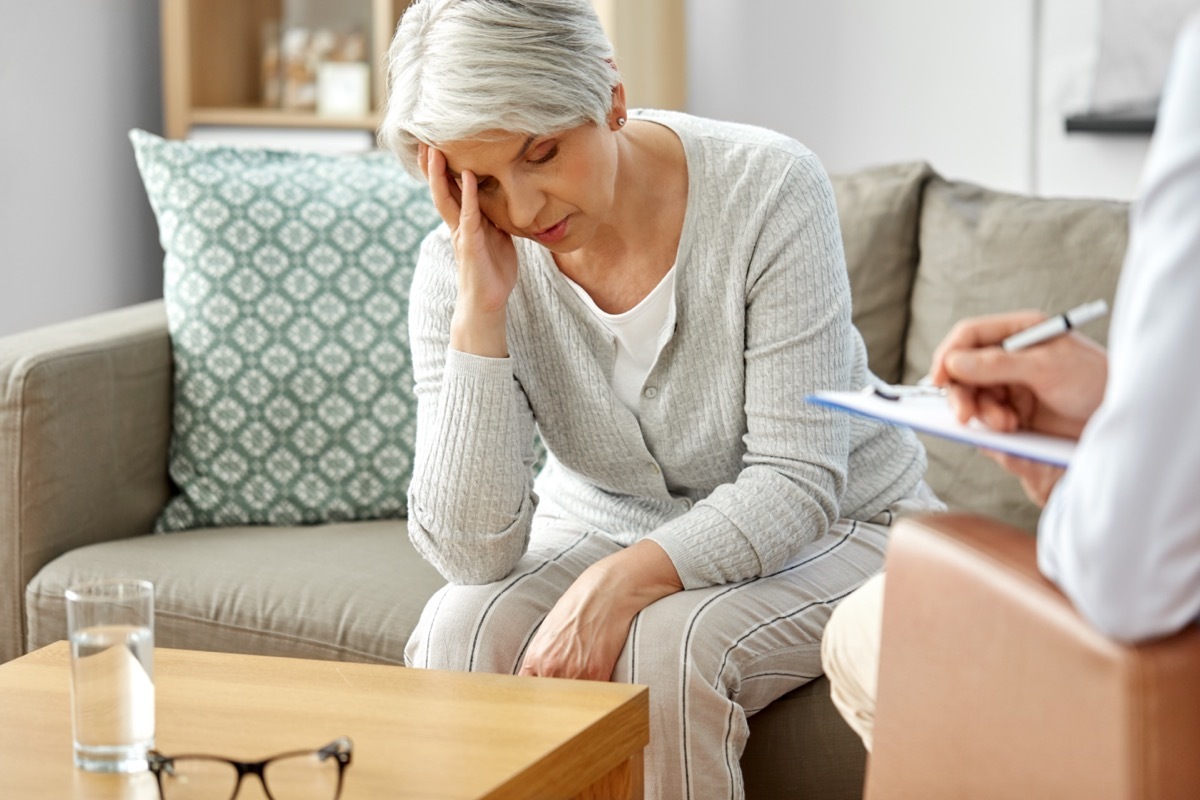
x=556 y=189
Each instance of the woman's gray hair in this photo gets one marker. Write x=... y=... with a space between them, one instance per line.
x=460 y=68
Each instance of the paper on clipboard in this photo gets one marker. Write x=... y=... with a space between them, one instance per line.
x=933 y=415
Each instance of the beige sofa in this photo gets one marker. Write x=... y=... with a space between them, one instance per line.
x=85 y=423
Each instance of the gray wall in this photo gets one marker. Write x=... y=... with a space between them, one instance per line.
x=76 y=232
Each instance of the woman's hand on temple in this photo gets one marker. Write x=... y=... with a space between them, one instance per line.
x=486 y=256
x=584 y=634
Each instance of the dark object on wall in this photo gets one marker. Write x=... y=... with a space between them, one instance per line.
x=1137 y=120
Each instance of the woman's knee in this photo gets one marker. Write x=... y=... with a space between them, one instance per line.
x=671 y=645
x=474 y=628
x=486 y=628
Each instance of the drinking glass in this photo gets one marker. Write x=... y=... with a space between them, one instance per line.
x=111 y=628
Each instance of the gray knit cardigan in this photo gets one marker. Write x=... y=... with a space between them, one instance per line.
x=725 y=466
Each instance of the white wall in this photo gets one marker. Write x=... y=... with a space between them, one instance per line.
x=980 y=90
x=76 y=232
x=1077 y=164
x=872 y=81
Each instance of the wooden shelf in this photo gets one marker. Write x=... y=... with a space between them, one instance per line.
x=213 y=53
x=278 y=118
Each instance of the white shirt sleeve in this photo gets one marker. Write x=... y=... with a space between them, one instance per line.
x=1121 y=533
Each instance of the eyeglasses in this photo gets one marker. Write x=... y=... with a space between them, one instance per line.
x=297 y=775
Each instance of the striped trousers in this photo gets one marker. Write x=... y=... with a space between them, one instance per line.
x=712 y=657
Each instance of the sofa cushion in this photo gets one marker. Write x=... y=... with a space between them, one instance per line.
x=984 y=252
x=286 y=286
x=878 y=209
x=346 y=592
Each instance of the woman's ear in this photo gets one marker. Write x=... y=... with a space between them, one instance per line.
x=620 y=112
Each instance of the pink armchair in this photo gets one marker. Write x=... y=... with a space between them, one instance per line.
x=992 y=685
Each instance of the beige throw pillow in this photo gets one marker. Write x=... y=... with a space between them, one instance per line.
x=878 y=209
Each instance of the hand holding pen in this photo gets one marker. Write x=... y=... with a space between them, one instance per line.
x=1053 y=387
x=1054 y=326
x=1036 y=333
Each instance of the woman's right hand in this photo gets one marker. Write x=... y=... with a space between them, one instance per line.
x=487 y=260
x=1053 y=387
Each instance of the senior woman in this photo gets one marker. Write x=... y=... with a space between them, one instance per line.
x=654 y=294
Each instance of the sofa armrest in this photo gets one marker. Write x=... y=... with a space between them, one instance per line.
x=992 y=686
x=85 y=422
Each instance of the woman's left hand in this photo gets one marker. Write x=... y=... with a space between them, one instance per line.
x=585 y=632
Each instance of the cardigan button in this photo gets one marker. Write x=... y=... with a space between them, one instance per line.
x=650 y=393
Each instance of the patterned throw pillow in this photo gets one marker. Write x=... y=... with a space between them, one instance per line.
x=286 y=287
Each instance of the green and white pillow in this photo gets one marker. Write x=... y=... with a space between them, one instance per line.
x=286 y=286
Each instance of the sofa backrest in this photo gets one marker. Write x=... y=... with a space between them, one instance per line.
x=968 y=251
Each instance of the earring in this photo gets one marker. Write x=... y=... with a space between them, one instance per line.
x=620 y=121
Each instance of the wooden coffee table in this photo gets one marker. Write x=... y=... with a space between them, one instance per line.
x=417 y=733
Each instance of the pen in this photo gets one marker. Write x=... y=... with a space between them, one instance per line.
x=1055 y=326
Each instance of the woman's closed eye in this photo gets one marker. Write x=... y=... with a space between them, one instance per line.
x=542 y=155
x=484 y=184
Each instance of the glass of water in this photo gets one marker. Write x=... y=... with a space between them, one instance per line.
x=111 y=628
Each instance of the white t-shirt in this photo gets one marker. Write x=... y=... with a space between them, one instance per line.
x=1121 y=533
x=641 y=333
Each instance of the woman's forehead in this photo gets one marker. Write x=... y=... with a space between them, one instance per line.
x=486 y=154
x=489 y=145
x=493 y=150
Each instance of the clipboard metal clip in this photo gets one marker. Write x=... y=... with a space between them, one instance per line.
x=899 y=392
